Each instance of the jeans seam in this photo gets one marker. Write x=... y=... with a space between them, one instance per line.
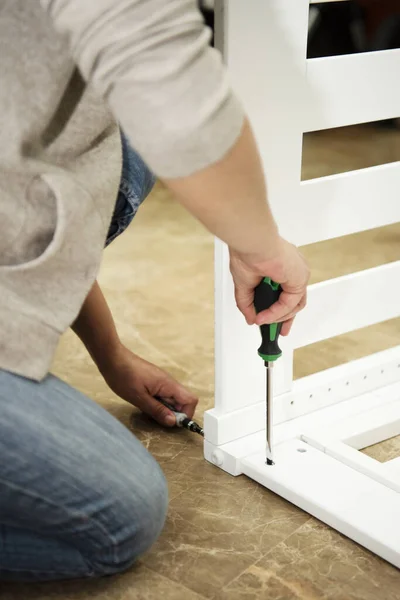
x=88 y=573
x=68 y=513
x=125 y=187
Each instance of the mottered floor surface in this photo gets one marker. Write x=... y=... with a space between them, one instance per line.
x=227 y=538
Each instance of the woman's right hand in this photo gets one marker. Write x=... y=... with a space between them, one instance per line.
x=286 y=266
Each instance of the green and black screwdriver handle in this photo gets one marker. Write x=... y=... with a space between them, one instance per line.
x=265 y=295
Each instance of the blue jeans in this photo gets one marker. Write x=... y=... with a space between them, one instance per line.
x=79 y=494
x=137 y=182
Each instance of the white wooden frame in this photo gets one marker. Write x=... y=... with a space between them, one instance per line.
x=318 y=466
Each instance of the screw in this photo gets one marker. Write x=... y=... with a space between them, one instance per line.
x=217 y=458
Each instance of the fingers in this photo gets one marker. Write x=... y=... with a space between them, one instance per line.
x=287 y=307
x=160 y=413
x=184 y=400
x=245 y=303
x=286 y=327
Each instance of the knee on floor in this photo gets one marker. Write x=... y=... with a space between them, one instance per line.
x=137 y=521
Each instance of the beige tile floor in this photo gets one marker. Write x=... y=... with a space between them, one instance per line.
x=226 y=538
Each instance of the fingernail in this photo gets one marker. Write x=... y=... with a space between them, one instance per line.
x=170 y=420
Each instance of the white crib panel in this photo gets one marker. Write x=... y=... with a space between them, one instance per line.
x=347 y=303
x=343 y=204
x=355 y=88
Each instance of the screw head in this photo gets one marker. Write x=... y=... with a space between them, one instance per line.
x=217 y=458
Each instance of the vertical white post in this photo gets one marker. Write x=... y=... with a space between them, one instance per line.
x=263 y=41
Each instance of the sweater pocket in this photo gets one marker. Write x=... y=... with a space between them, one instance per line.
x=41 y=231
x=51 y=287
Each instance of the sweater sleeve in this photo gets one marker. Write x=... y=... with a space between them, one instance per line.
x=151 y=61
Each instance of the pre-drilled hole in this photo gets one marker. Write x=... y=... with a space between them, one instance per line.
x=365 y=377
x=329 y=389
x=292 y=402
x=310 y=395
x=382 y=371
x=302 y=450
x=347 y=382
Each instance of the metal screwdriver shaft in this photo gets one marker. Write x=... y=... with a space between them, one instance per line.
x=265 y=295
x=269 y=413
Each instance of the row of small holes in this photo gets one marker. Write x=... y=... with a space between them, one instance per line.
x=302 y=450
x=348 y=383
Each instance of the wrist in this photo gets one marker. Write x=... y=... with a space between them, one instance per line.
x=269 y=261
x=107 y=356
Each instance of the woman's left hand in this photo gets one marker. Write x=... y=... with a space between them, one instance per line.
x=138 y=382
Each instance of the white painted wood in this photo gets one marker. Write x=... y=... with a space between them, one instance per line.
x=336 y=205
x=314 y=427
x=357 y=506
x=347 y=303
x=363 y=464
x=392 y=468
x=283 y=100
x=343 y=438
x=250 y=37
x=308 y=395
x=355 y=88
x=365 y=428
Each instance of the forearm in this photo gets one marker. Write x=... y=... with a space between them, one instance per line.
x=96 y=328
x=230 y=199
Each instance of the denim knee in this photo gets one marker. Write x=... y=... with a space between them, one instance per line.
x=152 y=513
x=139 y=523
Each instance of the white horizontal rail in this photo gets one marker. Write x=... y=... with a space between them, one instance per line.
x=342 y=204
x=364 y=464
x=349 y=303
x=356 y=88
x=369 y=425
x=330 y=388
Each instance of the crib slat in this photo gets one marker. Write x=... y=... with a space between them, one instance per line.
x=357 y=88
x=340 y=204
x=348 y=303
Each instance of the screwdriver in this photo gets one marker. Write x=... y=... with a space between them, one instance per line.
x=265 y=295
x=182 y=420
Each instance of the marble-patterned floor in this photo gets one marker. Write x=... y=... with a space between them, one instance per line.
x=227 y=538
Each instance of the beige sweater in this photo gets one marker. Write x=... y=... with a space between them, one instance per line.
x=69 y=69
